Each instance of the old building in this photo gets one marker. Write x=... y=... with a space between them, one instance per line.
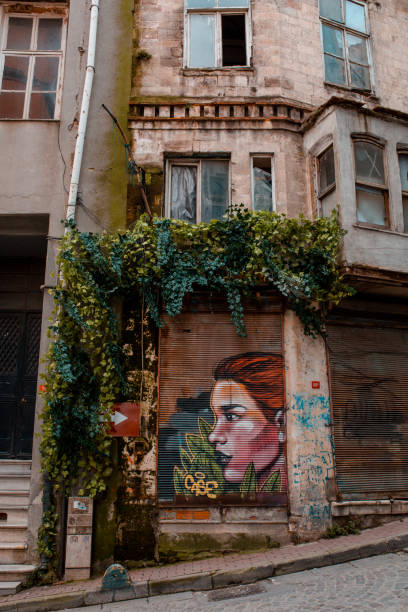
x=44 y=57
x=296 y=107
x=293 y=106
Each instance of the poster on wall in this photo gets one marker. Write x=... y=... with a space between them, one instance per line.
x=221 y=411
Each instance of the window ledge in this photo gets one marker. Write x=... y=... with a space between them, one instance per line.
x=359 y=92
x=363 y=507
x=380 y=229
x=31 y=120
x=226 y=69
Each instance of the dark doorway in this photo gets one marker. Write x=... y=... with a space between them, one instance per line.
x=20 y=332
x=233 y=40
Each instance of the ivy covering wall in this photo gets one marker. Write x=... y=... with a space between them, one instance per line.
x=158 y=263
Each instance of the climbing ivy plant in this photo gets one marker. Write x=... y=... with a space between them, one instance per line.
x=160 y=262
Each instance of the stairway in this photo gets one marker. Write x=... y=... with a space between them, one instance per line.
x=14 y=493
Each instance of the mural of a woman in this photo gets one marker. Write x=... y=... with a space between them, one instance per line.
x=248 y=405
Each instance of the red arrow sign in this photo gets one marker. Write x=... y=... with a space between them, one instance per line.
x=125 y=420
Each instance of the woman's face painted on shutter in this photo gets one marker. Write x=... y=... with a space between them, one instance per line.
x=242 y=434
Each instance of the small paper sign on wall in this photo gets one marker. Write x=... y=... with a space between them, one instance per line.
x=126 y=420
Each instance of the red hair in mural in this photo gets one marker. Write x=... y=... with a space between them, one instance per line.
x=261 y=374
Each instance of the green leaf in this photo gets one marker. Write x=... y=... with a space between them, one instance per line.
x=185 y=459
x=204 y=427
x=178 y=480
x=273 y=484
x=249 y=485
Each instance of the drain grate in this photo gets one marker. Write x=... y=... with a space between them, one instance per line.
x=237 y=591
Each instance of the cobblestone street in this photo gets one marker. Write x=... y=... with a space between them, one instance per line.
x=379 y=583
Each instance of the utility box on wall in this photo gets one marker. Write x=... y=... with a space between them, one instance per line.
x=79 y=538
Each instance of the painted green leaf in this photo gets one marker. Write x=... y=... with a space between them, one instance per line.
x=185 y=459
x=205 y=428
x=197 y=445
x=178 y=480
x=273 y=483
x=249 y=483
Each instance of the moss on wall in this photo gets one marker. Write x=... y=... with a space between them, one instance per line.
x=191 y=546
x=105 y=518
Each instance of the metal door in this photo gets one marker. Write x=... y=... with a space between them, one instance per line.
x=369 y=380
x=19 y=352
x=200 y=442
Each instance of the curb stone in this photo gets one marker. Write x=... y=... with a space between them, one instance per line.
x=293 y=559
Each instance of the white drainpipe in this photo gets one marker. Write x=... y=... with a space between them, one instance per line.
x=83 y=120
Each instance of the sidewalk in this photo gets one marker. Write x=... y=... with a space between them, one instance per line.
x=214 y=573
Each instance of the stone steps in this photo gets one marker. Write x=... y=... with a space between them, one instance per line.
x=13 y=552
x=14 y=499
x=12 y=533
x=10 y=588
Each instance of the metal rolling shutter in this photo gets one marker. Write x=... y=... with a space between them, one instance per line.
x=369 y=381
x=191 y=346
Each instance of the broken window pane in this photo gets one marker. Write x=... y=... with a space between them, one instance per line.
x=202 y=52
x=369 y=163
x=360 y=77
x=334 y=70
x=15 y=72
x=214 y=189
x=183 y=203
x=333 y=41
x=262 y=183
x=370 y=206
x=331 y=9
x=327 y=176
x=355 y=16
x=357 y=48
x=49 y=34
x=45 y=74
x=405 y=209
x=42 y=106
x=403 y=164
x=19 y=33
x=233 y=40
x=11 y=105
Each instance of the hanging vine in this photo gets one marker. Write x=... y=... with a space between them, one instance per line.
x=161 y=262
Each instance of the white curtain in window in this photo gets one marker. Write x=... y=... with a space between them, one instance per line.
x=184 y=193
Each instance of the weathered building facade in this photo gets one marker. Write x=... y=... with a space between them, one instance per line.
x=296 y=107
x=291 y=106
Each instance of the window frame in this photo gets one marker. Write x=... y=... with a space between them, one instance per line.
x=269 y=156
x=218 y=13
x=32 y=54
x=321 y=194
x=404 y=192
x=344 y=29
x=192 y=161
x=376 y=186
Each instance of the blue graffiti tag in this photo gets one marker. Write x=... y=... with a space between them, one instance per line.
x=312 y=413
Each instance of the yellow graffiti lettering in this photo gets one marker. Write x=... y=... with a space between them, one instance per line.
x=198 y=485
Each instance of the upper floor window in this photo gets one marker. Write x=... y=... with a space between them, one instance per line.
x=262 y=182
x=371 y=184
x=217 y=33
x=346 y=43
x=197 y=189
x=403 y=164
x=31 y=64
x=326 y=181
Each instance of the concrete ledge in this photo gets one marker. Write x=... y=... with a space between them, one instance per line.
x=199 y=582
x=47 y=604
x=92 y=598
x=242 y=576
x=361 y=508
x=303 y=563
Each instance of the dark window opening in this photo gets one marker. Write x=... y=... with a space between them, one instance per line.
x=233 y=40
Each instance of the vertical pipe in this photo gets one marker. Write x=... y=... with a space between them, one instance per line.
x=83 y=120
